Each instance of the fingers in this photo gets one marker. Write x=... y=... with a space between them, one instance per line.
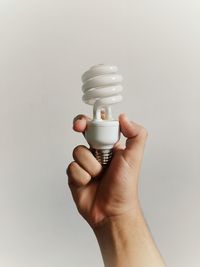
x=77 y=176
x=87 y=161
x=80 y=123
x=85 y=166
x=136 y=138
x=132 y=130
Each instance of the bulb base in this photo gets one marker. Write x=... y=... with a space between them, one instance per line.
x=103 y=156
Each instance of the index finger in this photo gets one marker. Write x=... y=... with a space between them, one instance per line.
x=80 y=123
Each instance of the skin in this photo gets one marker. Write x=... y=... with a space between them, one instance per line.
x=108 y=198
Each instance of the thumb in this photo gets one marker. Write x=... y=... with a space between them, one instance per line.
x=136 y=138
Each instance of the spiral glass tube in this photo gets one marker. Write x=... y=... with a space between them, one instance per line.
x=102 y=88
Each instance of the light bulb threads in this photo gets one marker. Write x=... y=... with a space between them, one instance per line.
x=103 y=156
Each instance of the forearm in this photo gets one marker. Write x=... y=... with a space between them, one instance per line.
x=125 y=241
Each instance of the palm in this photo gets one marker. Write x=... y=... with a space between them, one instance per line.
x=111 y=194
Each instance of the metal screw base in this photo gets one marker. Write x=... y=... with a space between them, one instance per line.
x=103 y=156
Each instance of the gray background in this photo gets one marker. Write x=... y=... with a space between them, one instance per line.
x=45 y=46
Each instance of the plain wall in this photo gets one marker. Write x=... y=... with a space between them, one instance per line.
x=45 y=46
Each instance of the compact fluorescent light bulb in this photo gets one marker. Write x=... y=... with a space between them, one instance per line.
x=102 y=88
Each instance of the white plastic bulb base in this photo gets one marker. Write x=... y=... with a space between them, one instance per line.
x=102 y=135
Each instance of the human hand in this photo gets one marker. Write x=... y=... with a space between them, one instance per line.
x=102 y=194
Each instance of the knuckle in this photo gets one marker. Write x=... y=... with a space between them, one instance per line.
x=144 y=132
x=71 y=168
x=78 y=151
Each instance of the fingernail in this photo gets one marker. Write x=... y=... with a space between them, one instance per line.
x=77 y=119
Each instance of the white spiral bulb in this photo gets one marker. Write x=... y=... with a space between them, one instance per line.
x=102 y=88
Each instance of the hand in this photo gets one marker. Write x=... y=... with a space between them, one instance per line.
x=108 y=199
x=102 y=194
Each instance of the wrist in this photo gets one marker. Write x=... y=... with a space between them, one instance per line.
x=125 y=241
x=113 y=236
x=126 y=218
